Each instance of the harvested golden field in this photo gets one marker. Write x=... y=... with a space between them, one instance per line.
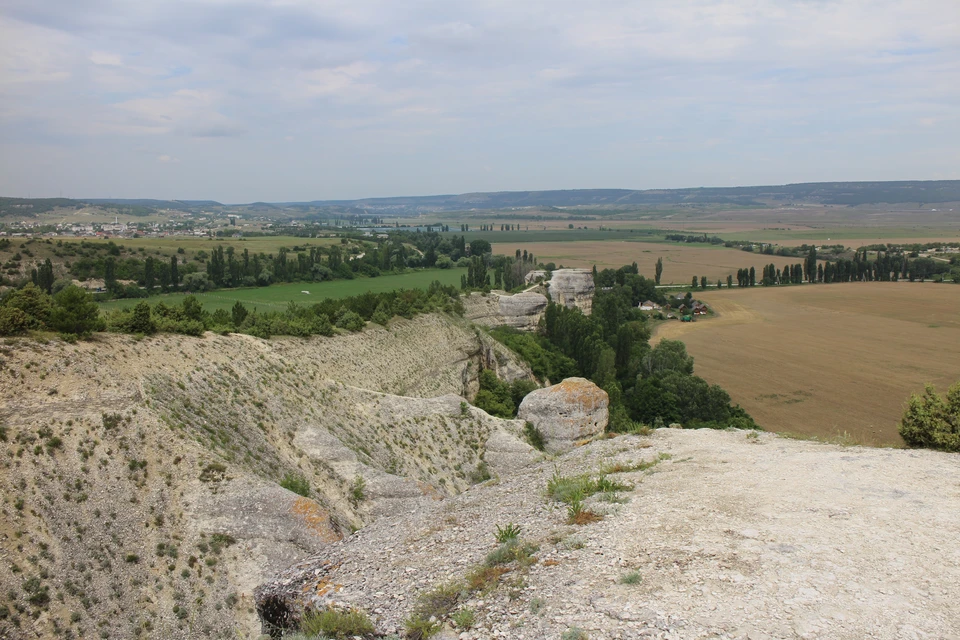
x=680 y=261
x=823 y=360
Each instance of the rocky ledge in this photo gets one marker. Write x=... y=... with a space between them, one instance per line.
x=726 y=534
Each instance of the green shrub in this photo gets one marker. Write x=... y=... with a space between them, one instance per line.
x=632 y=577
x=417 y=628
x=439 y=602
x=464 y=618
x=75 y=313
x=507 y=533
x=933 y=421
x=534 y=436
x=296 y=483
x=574 y=633
x=350 y=320
x=358 y=491
x=13 y=322
x=338 y=624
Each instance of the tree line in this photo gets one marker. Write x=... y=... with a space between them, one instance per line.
x=650 y=386
x=74 y=312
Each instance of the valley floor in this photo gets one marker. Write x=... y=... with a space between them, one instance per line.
x=731 y=535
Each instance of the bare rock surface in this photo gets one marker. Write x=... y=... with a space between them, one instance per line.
x=572 y=288
x=523 y=310
x=566 y=413
x=727 y=535
x=520 y=311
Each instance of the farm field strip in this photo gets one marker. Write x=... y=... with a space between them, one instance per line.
x=681 y=261
x=276 y=297
x=821 y=360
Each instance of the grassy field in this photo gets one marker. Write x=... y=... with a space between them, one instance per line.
x=276 y=297
x=170 y=244
x=821 y=360
x=680 y=261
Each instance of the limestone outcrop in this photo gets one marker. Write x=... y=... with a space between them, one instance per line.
x=572 y=288
x=521 y=311
x=566 y=413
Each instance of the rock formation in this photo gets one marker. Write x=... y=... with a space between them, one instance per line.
x=566 y=413
x=521 y=311
x=572 y=288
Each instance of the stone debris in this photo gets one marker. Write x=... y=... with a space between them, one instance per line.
x=724 y=537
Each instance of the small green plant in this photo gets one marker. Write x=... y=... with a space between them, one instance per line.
x=574 y=633
x=537 y=606
x=439 y=602
x=534 y=436
x=578 y=514
x=507 y=533
x=633 y=577
x=464 y=618
x=357 y=491
x=417 y=628
x=296 y=483
x=337 y=623
x=483 y=578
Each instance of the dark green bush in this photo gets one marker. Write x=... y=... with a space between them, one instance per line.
x=933 y=421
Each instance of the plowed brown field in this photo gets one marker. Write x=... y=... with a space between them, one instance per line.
x=821 y=360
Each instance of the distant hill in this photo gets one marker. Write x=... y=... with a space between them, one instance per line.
x=835 y=193
x=155 y=204
x=907 y=192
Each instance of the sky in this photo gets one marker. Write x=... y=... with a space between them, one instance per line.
x=294 y=100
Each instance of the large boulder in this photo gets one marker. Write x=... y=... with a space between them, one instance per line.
x=523 y=310
x=572 y=288
x=566 y=413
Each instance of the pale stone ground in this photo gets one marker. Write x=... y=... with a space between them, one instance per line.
x=733 y=537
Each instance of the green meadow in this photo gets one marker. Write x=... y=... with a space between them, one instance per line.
x=275 y=297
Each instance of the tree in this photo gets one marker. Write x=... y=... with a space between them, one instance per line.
x=693 y=283
x=75 y=313
x=33 y=302
x=729 y=281
x=149 y=277
x=110 y=274
x=479 y=247
x=659 y=271
x=141 y=321
x=174 y=273
x=238 y=314
x=810 y=265
x=667 y=356
x=45 y=276
x=703 y=282
x=753 y=276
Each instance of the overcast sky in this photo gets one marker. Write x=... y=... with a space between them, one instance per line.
x=315 y=99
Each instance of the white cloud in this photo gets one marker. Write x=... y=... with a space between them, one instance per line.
x=444 y=89
x=106 y=59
